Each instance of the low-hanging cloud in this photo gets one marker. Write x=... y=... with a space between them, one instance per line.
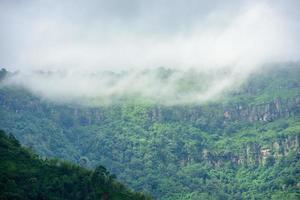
x=83 y=38
x=161 y=85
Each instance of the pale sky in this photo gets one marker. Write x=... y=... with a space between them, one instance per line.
x=120 y=34
x=78 y=39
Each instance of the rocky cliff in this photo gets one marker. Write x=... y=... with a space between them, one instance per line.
x=253 y=154
x=265 y=112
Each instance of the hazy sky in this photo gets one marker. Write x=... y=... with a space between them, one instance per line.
x=79 y=38
x=118 y=34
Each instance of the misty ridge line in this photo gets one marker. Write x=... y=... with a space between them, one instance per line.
x=69 y=52
x=160 y=86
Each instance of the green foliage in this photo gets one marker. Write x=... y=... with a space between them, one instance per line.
x=173 y=152
x=24 y=176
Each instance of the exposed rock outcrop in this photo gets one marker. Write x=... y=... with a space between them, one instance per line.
x=255 y=154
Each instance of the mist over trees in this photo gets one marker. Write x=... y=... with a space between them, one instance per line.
x=181 y=100
x=241 y=147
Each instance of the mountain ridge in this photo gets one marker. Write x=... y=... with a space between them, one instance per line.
x=178 y=151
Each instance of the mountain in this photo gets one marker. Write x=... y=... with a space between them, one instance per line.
x=244 y=145
x=23 y=175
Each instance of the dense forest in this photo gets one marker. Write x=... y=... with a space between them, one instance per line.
x=23 y=175
x=244 y=145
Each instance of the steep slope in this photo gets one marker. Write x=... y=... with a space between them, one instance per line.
x=24 y=176
x=243 y=146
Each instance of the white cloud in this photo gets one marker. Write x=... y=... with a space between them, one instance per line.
x=81 y=40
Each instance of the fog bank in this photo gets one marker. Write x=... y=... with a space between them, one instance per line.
x=78 y=39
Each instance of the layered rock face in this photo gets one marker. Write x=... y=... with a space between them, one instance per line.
x=253 y=154
x=264 y=112
x=199 y=116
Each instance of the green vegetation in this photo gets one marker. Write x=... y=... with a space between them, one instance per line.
x=265 y=86
x=245 y=147
x=25 y=176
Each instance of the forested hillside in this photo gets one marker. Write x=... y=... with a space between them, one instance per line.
x=244 y=145
x=23 y=175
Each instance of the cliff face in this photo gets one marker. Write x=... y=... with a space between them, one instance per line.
x=265 y=112
x=201 y=117
x=255 y=154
